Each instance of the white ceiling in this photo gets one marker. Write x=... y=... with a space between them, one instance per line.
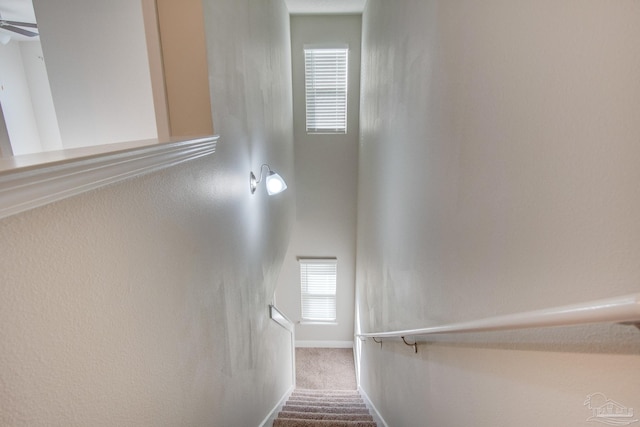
x=325 y=7
x=17 y=10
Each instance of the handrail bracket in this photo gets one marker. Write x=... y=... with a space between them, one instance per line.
x=414 y=345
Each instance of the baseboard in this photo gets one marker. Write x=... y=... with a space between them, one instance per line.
x=372 y=408
x=268 y=421
x=324 y=344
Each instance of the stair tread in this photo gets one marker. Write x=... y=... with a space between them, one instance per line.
x=332 y=398
x=336 y=408
x=325 y=409
x=325 y=416
x=318 y=423
x=325 y=403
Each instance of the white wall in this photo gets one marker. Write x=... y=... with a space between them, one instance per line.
x=16 y=101
x=40 y=91
x=146 y=303
x=508 y=137
x=5 y=143
x=98 y=68
x=326 y=182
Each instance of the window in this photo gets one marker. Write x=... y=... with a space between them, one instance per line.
x=325 y=73
x=318 y=289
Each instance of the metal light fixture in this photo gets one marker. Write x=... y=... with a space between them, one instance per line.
x=274 y=182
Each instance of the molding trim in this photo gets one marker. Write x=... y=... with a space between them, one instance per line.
x=30 y=187
x=324 y=344
x=376 y=415
x=268 y=421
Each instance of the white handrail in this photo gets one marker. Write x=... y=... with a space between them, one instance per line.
x=624 y=309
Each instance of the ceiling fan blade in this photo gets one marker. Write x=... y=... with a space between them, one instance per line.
x=19 y=30
x=22 y=24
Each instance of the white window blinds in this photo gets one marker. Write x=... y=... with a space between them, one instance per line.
x=318 y=289
x=325 y=73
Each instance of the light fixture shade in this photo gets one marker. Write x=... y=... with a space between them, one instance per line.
x=275 y=184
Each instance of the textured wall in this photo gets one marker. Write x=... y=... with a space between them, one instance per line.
x=326 y=175
x=145 y=303
x=498 y=173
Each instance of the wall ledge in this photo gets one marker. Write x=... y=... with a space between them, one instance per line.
x=27 y=182
x=278 y=316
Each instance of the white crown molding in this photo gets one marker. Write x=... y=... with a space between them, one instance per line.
x=25 y=188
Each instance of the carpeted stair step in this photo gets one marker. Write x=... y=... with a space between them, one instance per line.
x=326 y=409
x=311 y=398
x=281 y=422
x=354 y=404
x=336 y=408
x=321 y=416
x=328 y=400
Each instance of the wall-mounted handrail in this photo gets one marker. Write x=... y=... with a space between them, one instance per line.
x=623 y=309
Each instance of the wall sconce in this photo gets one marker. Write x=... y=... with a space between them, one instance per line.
x=275 y=184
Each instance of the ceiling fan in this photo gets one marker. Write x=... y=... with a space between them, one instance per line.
x=15 y=27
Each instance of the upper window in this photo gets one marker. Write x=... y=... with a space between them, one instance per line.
x=318 y=289
x=325 y=72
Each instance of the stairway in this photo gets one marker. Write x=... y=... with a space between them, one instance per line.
x=316 y=408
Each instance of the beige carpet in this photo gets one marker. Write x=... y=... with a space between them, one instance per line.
x=325 y=369
x=328 y=408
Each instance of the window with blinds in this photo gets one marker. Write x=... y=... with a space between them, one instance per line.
x=325 y=71
x=318 y=289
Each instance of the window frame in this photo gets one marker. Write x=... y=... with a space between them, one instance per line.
x=328 y=264
x=335 y=121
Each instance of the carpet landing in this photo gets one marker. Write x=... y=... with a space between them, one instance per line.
x=325 y=368
x=316 y=408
